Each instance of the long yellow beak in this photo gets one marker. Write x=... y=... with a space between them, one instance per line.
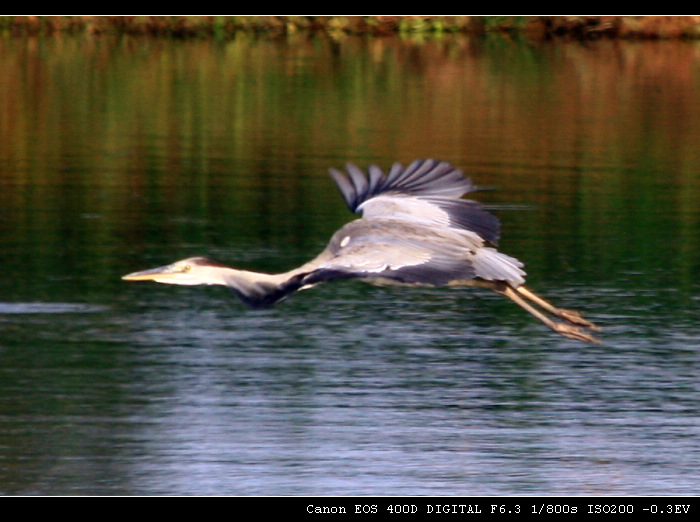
x=153 y=274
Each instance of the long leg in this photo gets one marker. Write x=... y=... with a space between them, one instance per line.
x=571 y=316
x=567 y=330
x=520 y=295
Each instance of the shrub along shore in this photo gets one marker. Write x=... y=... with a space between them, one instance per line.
x=582 y=27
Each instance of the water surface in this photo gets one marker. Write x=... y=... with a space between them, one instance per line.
x=122 y=154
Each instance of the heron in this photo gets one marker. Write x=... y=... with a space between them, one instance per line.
x=416 y=229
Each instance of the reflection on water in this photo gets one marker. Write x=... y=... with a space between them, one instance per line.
x=48 y=308
x=123 y=154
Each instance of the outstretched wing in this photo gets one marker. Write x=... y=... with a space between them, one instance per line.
x=427 y=192
x=412 y=254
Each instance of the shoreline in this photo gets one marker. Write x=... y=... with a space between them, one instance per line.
x=542 y=27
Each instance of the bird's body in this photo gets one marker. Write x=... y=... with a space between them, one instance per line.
x=415 y=230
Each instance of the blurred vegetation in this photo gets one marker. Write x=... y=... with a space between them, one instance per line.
x=226 y=26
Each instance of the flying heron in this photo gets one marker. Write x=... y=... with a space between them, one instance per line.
x=415 y=230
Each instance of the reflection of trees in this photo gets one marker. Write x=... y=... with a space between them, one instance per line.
x=221 y=143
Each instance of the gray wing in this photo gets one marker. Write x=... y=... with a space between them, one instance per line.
x=426 y=192
x=413 y=254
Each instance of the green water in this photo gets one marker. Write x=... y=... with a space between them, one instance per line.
x=118 y=154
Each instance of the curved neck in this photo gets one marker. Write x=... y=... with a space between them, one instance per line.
x=257 y=289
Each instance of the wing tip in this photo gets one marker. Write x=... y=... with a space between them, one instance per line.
x=421 y=177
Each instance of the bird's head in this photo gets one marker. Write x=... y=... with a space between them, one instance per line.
x=190 y=271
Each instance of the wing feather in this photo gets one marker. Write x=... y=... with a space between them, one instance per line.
x=427 y=191
x=397 y=259
x=412 y=254
x=347 y=190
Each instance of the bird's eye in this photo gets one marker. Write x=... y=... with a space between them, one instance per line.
x=186 y=269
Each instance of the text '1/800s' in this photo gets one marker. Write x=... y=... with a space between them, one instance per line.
x=494 y=509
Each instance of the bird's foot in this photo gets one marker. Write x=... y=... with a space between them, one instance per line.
x=576 y=318
x=573 y=332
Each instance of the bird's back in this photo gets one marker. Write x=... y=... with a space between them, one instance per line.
x=415 y=229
